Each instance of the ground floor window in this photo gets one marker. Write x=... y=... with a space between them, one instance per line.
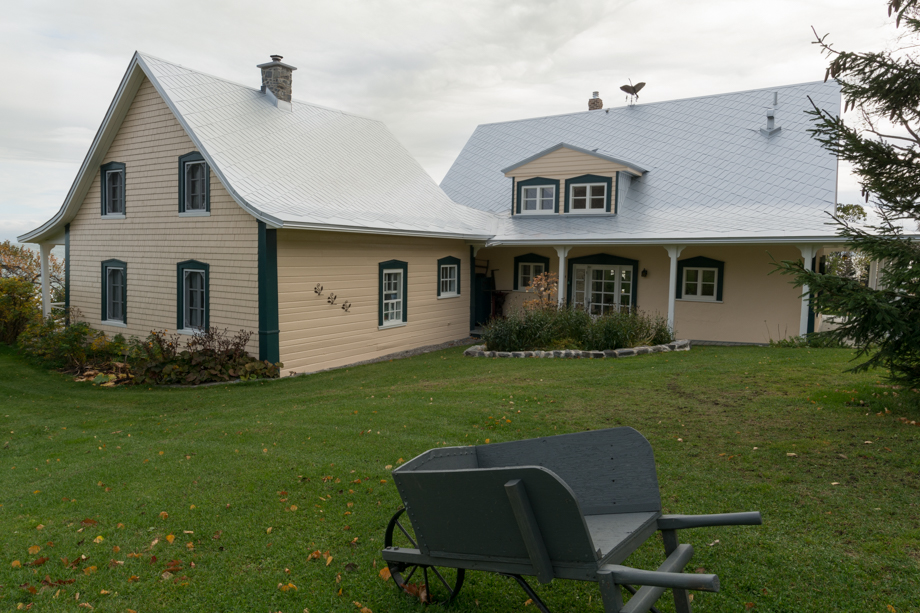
x=700 y=283
x=602 y=289
x=393 y=293
x=448 y=277
x=528 y=272
x=192 y=296
x=114 y=292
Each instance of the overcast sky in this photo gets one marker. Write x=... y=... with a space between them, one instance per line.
x=431 y=70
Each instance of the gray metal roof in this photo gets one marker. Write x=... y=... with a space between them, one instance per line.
x=310 y=167
x=712 y=176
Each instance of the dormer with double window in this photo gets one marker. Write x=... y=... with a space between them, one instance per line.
x=570 y=180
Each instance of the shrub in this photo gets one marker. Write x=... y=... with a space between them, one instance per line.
x=815 y=340
x=208 y=356
x=74 y=347
x=571 y=328
x=19 y=306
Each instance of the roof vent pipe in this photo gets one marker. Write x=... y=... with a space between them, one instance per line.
x=771 y=128
x=595 y=103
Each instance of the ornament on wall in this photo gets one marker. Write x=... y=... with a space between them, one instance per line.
x=346 y=305
x=331 y=299
x=318 y=289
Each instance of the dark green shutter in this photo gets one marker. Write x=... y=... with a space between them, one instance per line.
x=269 y=345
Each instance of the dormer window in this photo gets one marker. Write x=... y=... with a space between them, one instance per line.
x=589 y=198
x=194 y=185
x=113 y=190
x=539 y=199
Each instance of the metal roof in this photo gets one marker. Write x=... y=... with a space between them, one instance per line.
x=310 y=167
x=712 y=176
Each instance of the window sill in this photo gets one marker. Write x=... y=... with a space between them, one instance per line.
x=113 y=216
x=188 y=332
x=195 y=214
x=388 y=326
x=698 y=300
x=597 y=212
x=114 y=322
x=443 y=296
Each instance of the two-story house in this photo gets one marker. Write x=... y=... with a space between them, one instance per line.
x=203 y=202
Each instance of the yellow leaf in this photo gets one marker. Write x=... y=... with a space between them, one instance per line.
x=192 y=507
x=39 y=526
x=119 y=526
x=89 y=570
x=104 y=592
x=190 y=546
x=293 y=507
x=34 y=549
x=164 y=515
x=170 y=538
x=286 y=587
x=133 y=578
x=98 y=539
x=16 y=564
x=366 y=610
x=385 y=573
x=328 y=560
x=268 y=530
x=891 y=609
x=528 y=602
x=487 y=441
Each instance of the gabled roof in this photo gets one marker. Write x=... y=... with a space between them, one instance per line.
x=636 y=168
x=712 y=176
x=311 y=167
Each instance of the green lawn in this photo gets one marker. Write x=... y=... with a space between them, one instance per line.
x=251 y=478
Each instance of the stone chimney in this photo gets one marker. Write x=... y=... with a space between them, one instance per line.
x=276 y=80
x=595 y=103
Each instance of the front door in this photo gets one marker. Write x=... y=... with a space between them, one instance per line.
x=602 y=289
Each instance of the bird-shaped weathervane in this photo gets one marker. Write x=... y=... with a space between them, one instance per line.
x=632 y=91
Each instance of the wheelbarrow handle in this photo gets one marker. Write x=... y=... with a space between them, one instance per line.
x=682 y=522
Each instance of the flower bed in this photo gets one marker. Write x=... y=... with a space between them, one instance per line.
x=479 y=351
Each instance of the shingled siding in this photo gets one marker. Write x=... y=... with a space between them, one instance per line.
x=153 y=238
x=317 y=335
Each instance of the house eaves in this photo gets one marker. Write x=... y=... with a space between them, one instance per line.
x=636 y=168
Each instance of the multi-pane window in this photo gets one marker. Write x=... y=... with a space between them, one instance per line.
x=528 y=272
x=115 y=294
x=115 y=192
x=539 y=199
x=196 y=186
x=700 y=283
x=392 y=297
x=589 y=198
x=194 y=299
x=448 y=280
x=603 y=289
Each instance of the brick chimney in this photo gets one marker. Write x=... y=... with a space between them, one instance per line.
x=595 y=103
x=276 y=80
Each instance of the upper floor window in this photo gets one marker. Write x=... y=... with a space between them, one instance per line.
x=448 y=277
x=114 y=292
x=112 y=176
x=194 y=185
x=589 y=198
x=539 y=199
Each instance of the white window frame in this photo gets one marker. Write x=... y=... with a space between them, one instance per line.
x=108 y=320
x=400 y=321
x=583 y=289
x=203 y=209
x=539 y=199
x=186 y=302
x=588 y=199
x=699 y=282
x=534 y=274
x=108 y=195
x=453 y=279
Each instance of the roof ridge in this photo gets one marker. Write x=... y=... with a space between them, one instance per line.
x=672 y=100
x=249 y=87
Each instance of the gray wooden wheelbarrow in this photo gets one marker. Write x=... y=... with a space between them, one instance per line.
x=572 y=506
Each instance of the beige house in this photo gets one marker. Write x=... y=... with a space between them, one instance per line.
x=205 y=203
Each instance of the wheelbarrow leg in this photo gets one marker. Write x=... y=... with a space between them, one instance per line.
x=610 y=592
x=681 y=597
x=526 y=587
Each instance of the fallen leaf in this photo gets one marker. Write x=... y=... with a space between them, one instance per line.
x=315 y=555
x=835 y=483
x=528 y=602
x=792 y=455
x=89 y=570
x=268 y=530
x=89 y=522
x=133 y=578
x=34 y=549
x=385 y=573
x=104 y=592
x=39 y=561
x=116 y=549
x=98 y=539
x=749 y=605
x=85 y=605
x=286 y=587
x=170 y=538
x=190 y=546
x=164 y=515
x=328 y=560
x=39 y=526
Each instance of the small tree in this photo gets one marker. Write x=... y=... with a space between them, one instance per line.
x=19 y=262
x=18 y=307
x=884 y=150
x=545 y=286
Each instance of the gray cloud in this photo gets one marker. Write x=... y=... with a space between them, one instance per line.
x=430 y=70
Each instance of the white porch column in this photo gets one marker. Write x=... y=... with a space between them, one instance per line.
x=808 y=252
x=873 y=274
x=45 y=249
x=674 y=252
x=563 y=252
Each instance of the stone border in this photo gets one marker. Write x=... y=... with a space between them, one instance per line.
x=478 y=351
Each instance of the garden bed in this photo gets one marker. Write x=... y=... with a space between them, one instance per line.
x=479 y=351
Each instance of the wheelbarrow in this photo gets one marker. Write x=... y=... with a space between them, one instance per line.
x=572 y=506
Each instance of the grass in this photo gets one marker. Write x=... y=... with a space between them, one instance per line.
x=228 y=464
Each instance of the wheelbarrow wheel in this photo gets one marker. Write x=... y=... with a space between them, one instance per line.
x=430 y=584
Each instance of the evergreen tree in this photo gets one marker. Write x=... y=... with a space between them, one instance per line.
x=884 y=150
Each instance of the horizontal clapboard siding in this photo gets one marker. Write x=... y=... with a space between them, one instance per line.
x=152 y=238
x=317 y=335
